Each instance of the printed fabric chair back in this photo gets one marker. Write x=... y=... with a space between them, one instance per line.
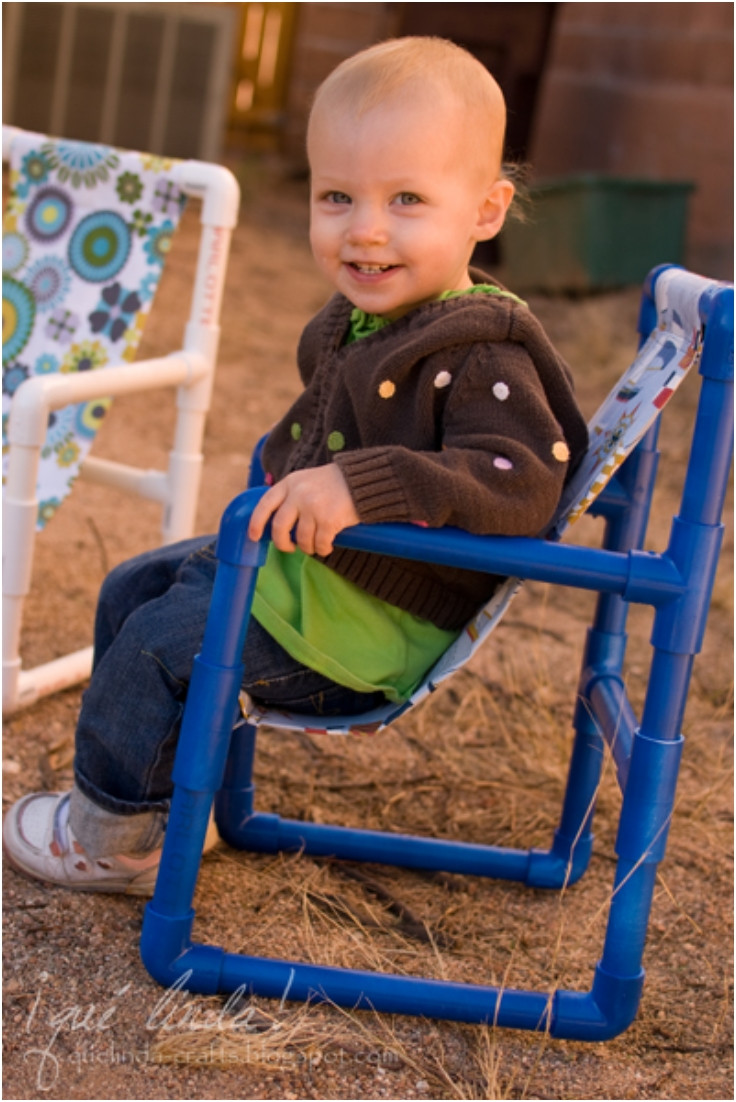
x=87 y=231
x=619 y=424
x=85 y=237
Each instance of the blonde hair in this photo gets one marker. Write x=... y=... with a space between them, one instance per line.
x=416 y=65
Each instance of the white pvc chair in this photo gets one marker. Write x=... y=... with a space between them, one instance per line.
x=86 y=233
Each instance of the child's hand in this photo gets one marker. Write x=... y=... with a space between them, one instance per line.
x=316 y=500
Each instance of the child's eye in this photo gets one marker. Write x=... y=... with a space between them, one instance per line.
x=408 y=199
x=337 y=197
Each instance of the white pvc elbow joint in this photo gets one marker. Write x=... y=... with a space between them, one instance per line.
x=215 y=186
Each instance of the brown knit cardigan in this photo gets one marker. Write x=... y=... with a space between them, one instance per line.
x=460 y=413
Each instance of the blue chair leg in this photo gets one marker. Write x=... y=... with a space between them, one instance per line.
x=204 y=742
x=649 y=778
x=235 y=801
x=602 y=713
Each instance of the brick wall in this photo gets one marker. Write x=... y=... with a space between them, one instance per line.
x=646 y=90
x=325 y=35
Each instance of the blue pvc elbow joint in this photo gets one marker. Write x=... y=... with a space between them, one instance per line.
x=601 y=1013
x=173 y=960
x=233 y=543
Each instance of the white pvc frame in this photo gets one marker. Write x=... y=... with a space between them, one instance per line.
x=190 y=369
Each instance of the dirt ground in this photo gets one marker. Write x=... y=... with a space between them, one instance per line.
x=485 y=758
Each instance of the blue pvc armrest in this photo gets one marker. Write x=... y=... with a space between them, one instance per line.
x=650 y=579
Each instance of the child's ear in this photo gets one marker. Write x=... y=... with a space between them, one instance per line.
x=494 y=208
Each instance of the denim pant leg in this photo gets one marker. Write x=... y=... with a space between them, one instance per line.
x=274 y=679
x=137 y=581
x=150 y=624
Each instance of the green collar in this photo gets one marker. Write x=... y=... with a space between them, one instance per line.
x=362 y=324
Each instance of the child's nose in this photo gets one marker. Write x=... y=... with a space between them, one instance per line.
x=367 y=226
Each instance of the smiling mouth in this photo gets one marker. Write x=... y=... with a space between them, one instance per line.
x=370 y=269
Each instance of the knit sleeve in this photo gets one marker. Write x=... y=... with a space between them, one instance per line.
x=498 y=466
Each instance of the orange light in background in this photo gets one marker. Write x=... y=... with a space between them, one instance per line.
x=269 y=48
x=252 y=32
x=261 y=66
x=244 y=95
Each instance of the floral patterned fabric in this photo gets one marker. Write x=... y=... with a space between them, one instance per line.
x=85 y=236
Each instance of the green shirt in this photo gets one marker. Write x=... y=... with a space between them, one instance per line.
x=331 y=625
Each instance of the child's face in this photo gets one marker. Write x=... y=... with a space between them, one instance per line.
x=398 y=203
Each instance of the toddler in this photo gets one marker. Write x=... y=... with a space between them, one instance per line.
x=431 y=396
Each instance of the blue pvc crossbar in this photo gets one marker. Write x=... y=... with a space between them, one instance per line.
x=213 y=759
x=561 y=1013
x=644 y=578
x=271 y=834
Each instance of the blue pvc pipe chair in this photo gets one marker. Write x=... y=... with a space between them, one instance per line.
x=214 y=758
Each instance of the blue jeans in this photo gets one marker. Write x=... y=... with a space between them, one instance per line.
x=150 y=622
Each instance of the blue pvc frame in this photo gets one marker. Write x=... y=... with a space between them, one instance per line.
x=213 y=759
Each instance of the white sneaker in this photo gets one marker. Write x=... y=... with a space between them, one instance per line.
x=38 y=841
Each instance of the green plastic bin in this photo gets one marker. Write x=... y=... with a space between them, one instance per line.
x=590 y=233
